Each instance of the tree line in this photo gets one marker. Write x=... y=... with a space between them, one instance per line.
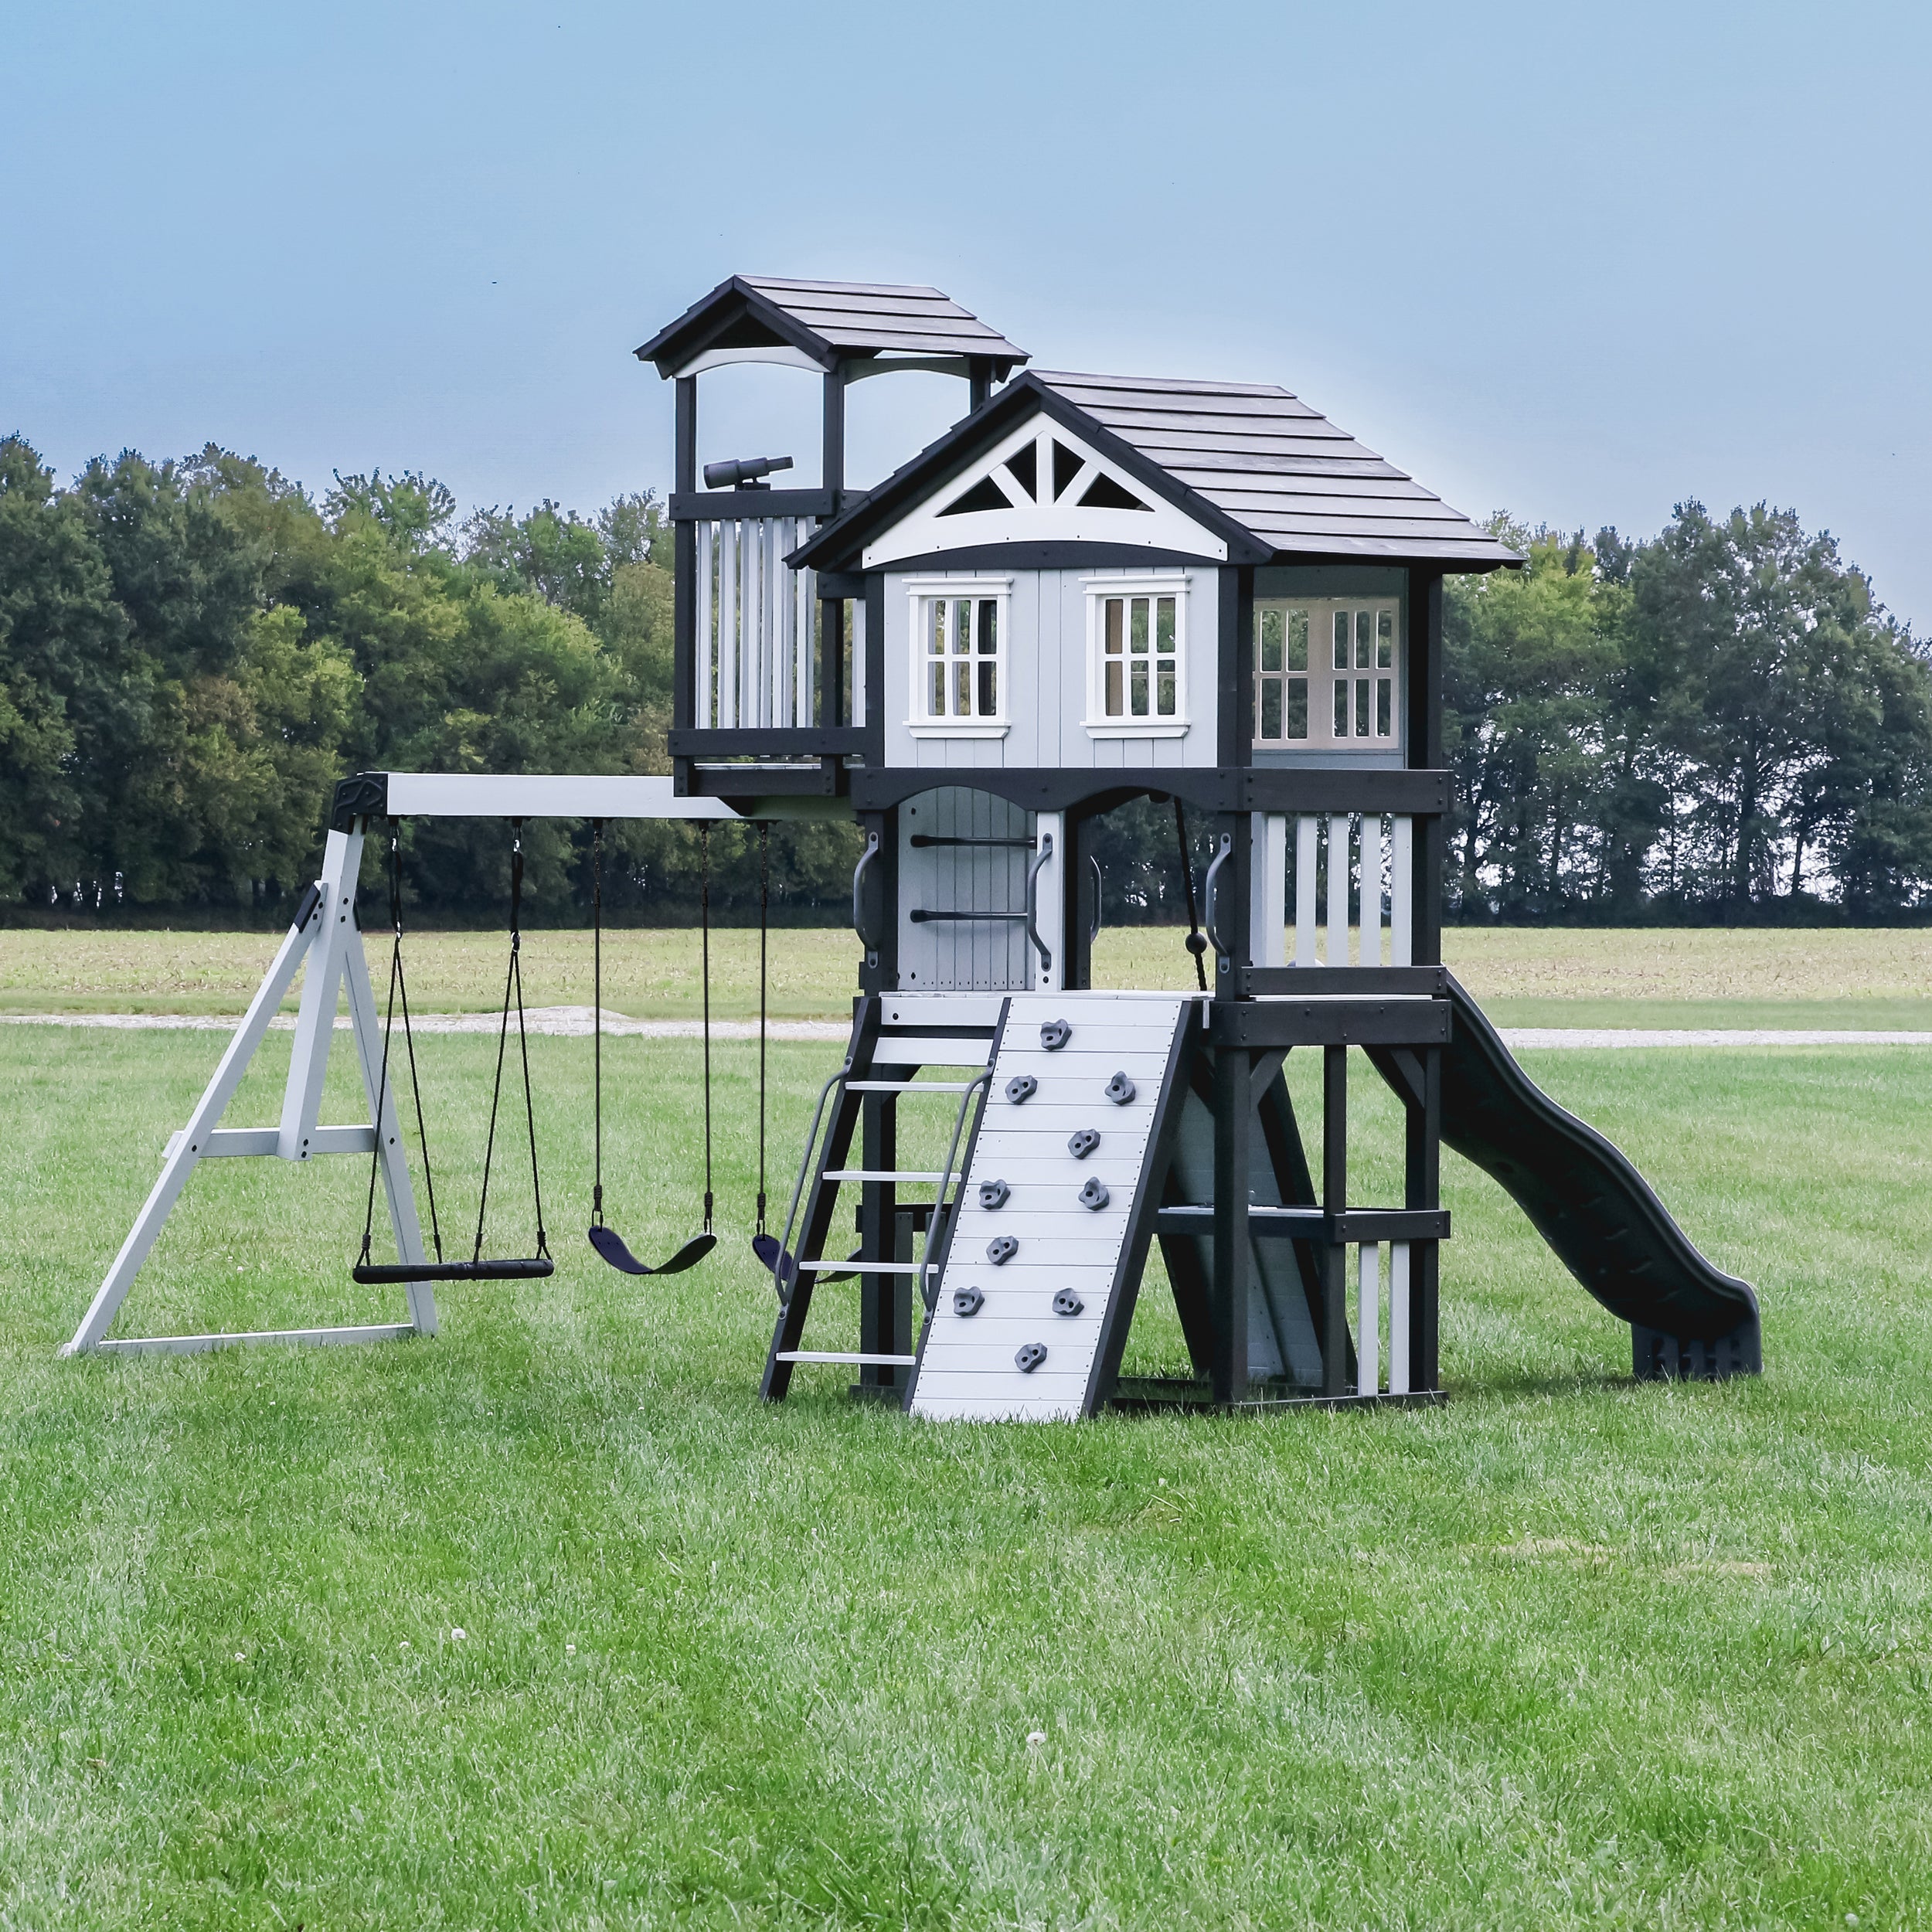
x=1720 y=722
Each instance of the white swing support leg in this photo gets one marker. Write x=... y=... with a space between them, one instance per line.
x=330 y=942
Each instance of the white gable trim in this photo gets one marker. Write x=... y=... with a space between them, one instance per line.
x=1047 y=518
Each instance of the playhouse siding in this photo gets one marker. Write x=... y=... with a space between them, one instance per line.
x=1047 y=673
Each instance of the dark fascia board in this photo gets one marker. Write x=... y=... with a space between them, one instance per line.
x=1243 y=788
x=675 y=344
x=1055 y=557
x=840 y=543
x=1439 y=566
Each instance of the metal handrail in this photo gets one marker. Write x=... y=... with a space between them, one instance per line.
x=928 y=1283
x=788 y=1263
x=1211 y=899
x=858 y=893
x=1033 y=901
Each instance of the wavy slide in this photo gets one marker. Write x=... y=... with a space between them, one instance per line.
x=1596 y=1211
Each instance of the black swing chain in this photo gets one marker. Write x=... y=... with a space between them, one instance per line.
x=764 y=926
x=597 y=1019
x=1196 y=944
x=704 y=926
x=513 y=987
x=398 y=985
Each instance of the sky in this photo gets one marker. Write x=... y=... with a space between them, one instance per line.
x=1580 y=263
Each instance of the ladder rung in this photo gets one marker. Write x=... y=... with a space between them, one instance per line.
x=910 y=1087
x=862 y=1267
x=879 y=1174
x=834 y=1355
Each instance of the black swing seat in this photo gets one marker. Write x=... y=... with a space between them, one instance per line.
x=611 y=1246
x=382 y=1273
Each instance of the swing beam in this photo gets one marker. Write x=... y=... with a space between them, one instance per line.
x=324 y=937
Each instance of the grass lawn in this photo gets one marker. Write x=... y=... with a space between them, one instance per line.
x=1703 y=976
x=548 y=1623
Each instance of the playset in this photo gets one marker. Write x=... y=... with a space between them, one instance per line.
x=1092 y=589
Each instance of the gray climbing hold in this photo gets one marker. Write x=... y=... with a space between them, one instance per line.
x=967 y=1301
x=1094 y=1194
x=1002 y=1250
x=1054 y=1034
x=1030 y=1357
x=993 y=1194
x=1067 y=1302
x=1084 y=1143
x=1022 y=1088
x=1120 y=1090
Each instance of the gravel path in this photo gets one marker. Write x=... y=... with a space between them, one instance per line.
x=574 y=1022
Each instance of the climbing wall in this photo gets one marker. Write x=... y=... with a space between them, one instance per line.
x=1035 y=1268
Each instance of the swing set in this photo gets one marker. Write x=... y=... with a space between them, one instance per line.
x=324 y=937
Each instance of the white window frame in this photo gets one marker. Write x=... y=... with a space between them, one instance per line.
x=922 y=591
x=1323 y=675
x=1099 y=590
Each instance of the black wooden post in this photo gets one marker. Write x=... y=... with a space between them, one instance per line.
x=1426 y=753
x=685 y=606
x=1334 y=1200
x=1228 y=1301
x=831 y=468
x=979 y=380
x=1424 y=1189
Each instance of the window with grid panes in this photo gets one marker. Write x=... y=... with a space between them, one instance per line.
x=1326 y=673
x=962 y=658
x=1137 y=646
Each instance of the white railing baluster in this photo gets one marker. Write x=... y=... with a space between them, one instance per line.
x=774 y=642
x=1402 y=879
x=1267 y=890
x=859 y=696
x=803 y=588
x=1372 y=889
x=1368 y=1341
x=728 y=643
x=1308 y=832
x=705 y=710
x=1336 y=952
x=1398 y=1318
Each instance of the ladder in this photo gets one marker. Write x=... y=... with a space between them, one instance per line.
x=894 y=1037
x=1044 y=1253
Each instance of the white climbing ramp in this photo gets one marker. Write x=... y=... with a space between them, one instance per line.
x=994 y=1317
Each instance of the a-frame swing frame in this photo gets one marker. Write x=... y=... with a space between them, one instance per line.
x=324 y=937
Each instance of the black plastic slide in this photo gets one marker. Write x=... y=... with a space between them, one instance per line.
x=1595 y=1210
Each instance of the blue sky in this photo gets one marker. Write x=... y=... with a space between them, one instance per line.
x=1578 y=262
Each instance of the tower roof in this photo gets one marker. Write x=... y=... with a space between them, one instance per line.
x=827 y=323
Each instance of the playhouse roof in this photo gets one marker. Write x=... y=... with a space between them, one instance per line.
x=829 y=322
x=1250 y=461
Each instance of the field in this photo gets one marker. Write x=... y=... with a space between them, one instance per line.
x=547 y=1623
x=1698 y=977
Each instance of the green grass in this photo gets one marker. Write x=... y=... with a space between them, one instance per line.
x=1567 y=1651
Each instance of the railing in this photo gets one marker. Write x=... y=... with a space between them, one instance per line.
x=1337 y=871
x=758 y=630
x=1371 y=1328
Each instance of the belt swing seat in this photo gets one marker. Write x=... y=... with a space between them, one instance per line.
x=531 y=1267
x=610 y=1245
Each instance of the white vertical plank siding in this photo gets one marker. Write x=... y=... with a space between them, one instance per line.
x=860 y=696
x=727 y=626
x=1267 y=890
x=1401 y=896
x=1372 y=915
x=1308 y=832
x=805 y=588
x=1398 y=1318
x=1336 y=950
x=1368 y=1341
x=705 y=711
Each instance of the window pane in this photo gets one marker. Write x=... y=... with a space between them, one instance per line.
x=1164 y=692
x=1342 y=639
x=1385 y=638
x=962 y=626
x=1271 y=708
x=1272 y=628
x=1116 y=702
x=1365 y=623
x=962 y=691
x=1341 y=707
x=936 y=696
x=1297 y=640
x=1138 y=632
x=988 y=689
x=1385 y=692
x=1164 y=624
x=988 y=625
x=1298 y=718
x=936 y=627
x=1114 y=613
x=1362 y=707
x=1139 y=688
